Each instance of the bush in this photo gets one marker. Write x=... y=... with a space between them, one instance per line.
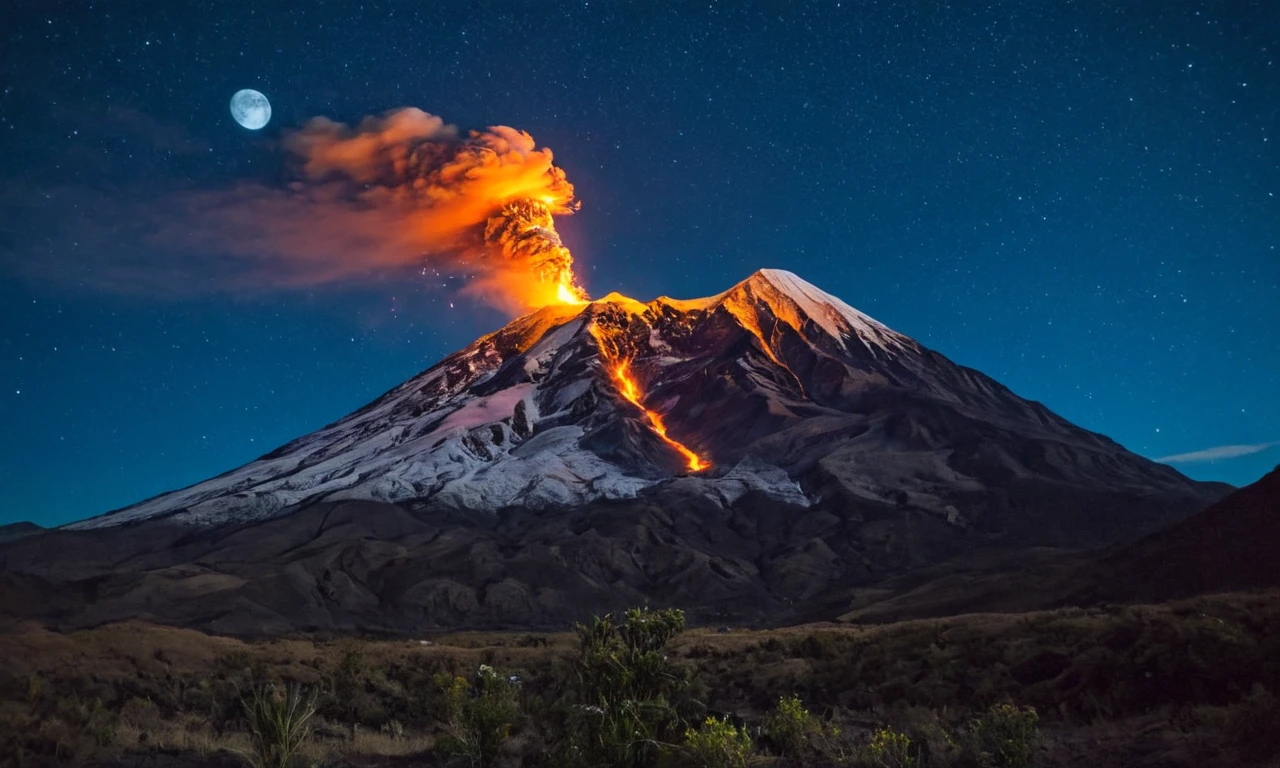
x=478 y=715
x=278 y=724
x=819 y=645
x=718 y=744
x=932 y=744
x=892 y=749
x=1005 y=736
x=143 y=717
x=798 y=733
x=35 y=687
x=1253 y=725
x=393 y=729
x=789 y=724
x=629 y=695
x=350 y=700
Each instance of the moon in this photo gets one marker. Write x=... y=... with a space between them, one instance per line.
x=250 y=109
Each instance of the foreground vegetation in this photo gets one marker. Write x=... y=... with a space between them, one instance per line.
x=1189 y=683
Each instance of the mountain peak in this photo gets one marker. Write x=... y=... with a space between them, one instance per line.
x=788 y=299
x=575 y=404
x=794 y=300
x=626 y=302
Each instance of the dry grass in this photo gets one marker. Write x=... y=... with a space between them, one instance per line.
x=193 y=734
x=178 y=690
x=136 y=649
x=369 y=743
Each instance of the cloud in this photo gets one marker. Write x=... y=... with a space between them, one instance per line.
x=396 y=196
x=398 y=192
x=1218 y=452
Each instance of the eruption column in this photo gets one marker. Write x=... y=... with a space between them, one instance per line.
x=406 y=191
x=524 y=233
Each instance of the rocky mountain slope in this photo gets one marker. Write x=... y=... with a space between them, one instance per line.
x=746 y=456
x=1228 y=547
x=15 y=531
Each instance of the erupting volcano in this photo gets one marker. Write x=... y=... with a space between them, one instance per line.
x=772 y=389
x=482 y=205
x=743 y=456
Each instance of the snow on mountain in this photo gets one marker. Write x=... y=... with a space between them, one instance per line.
x=788 y=392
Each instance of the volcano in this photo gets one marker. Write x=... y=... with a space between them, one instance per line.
x=749 y=455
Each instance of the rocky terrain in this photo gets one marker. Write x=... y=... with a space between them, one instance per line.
x=519 y=482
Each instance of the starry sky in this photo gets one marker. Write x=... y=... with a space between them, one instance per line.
x=1077 y=198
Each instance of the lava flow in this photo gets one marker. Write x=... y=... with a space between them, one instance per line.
x=620 y=368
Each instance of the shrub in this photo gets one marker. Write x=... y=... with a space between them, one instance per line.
x=35 y=686
x=1253 y=725
x=819 y=645
x=718 y=744
x=143 y=717
x=350 y=700
x=77 y=729
x=931 y=739
x=1005 y=736
x=478 y=715
x=628 y=692
x=892 y=749
x=789 y=725
x=799 y=734
x=241 y=665
x=279 y=724
x=393 y=729
x=351 y=670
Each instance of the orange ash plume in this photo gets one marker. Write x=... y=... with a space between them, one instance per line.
x=620 y=370
x=524 y=233
x=399 y=192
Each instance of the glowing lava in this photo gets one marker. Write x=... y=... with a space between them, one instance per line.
x=539 y=268
x=627 y=385
x=570 y=294
x=621 y=372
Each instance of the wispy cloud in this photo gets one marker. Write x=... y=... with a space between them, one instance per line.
x=1218 y=452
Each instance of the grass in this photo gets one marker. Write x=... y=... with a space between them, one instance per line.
x=368 y=743
x=1111 y=685
x=279 y=723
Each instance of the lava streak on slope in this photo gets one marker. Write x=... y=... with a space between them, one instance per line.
x=619 y=367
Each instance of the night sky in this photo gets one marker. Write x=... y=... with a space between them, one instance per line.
x=1077 y=198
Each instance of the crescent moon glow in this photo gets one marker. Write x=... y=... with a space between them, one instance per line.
x=250 y=109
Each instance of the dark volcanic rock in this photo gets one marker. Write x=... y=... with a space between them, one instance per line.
x=15 y=531
x=513 y=485
x=1228 y=547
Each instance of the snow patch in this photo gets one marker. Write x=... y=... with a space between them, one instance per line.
x=485 y=410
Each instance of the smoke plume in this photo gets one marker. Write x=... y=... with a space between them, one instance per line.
x=401 y=190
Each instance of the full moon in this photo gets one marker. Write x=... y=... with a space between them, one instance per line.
x=250 y=109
